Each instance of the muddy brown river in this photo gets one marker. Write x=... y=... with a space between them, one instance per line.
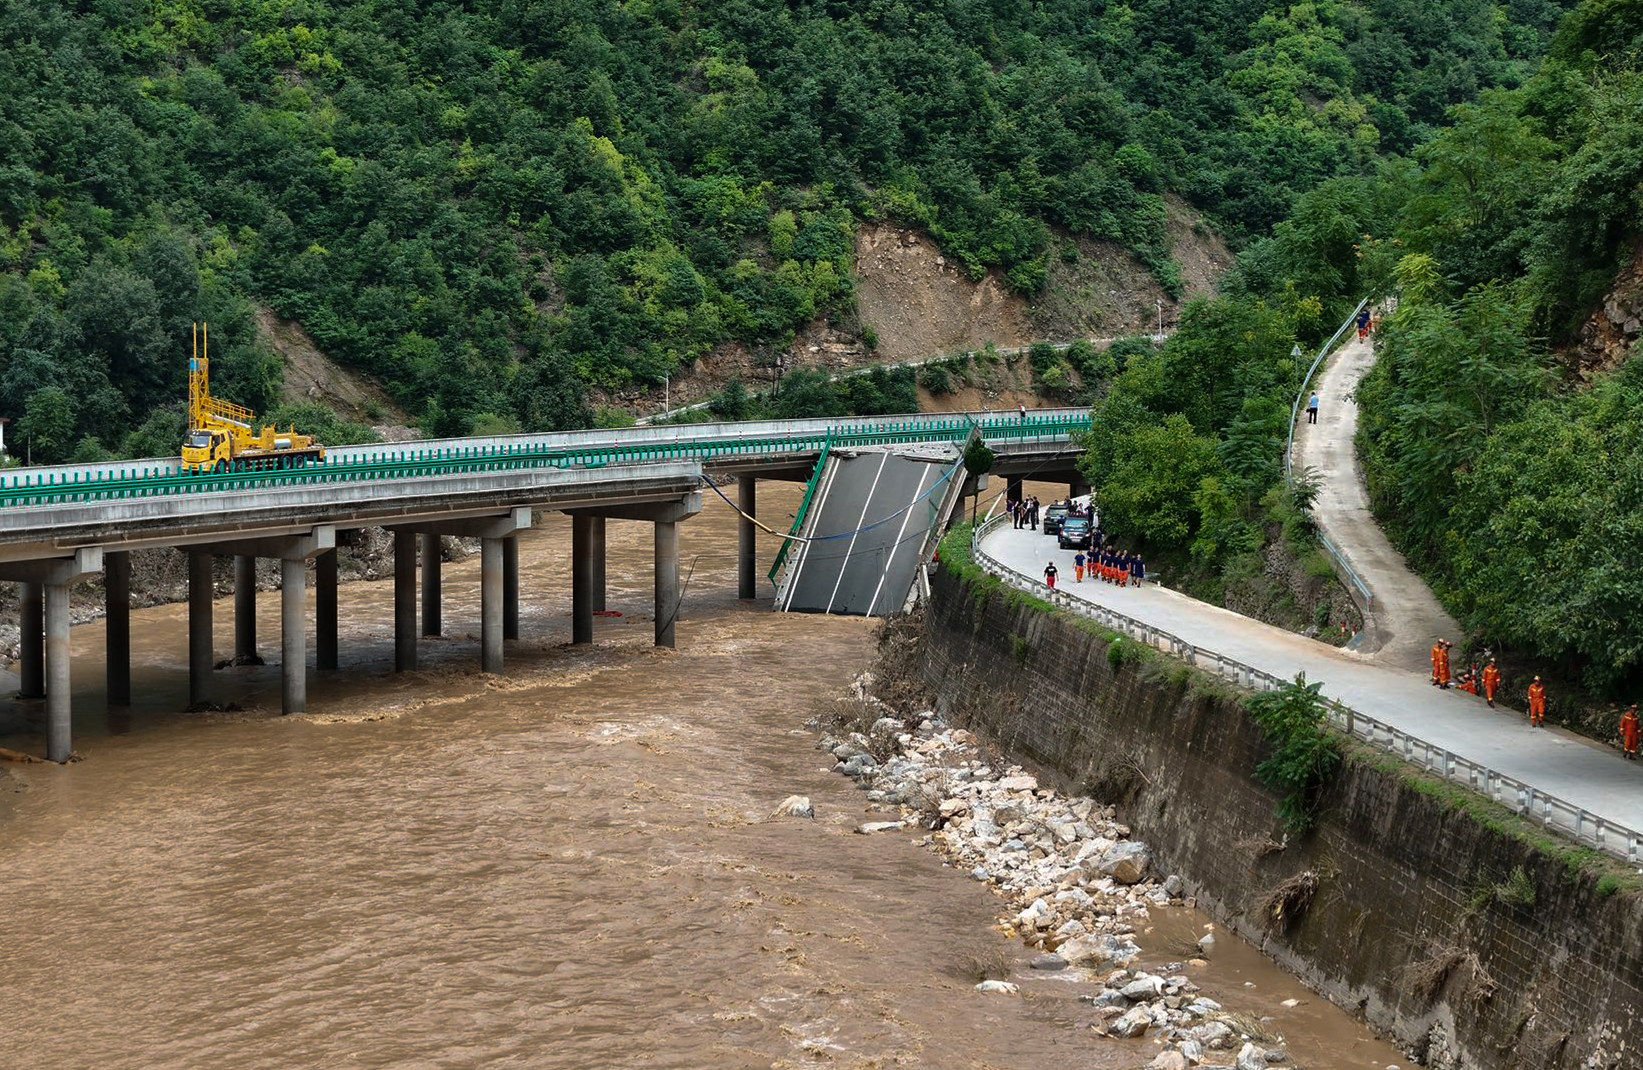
x=567 y=866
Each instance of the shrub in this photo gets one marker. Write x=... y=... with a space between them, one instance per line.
x=1304 y=752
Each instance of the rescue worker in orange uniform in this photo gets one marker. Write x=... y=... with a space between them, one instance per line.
x=1491 y=682
x=1629 y=733
x=1440 y=664
x=1537 y=703
x=1468 y=682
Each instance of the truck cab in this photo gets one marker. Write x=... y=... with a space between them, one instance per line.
x=205 y=451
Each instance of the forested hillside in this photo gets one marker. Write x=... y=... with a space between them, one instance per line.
x=1503 y=456
x=489 y=205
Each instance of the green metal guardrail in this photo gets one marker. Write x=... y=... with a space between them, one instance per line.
x=388 y=464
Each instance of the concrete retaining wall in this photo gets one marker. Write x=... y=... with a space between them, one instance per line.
x=1419 y=920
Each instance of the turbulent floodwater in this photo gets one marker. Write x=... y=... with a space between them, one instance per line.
x=568 y=866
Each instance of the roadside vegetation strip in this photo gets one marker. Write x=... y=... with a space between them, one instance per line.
x=1514 y=795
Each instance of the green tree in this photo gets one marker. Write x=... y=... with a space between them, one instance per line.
x=47 y=426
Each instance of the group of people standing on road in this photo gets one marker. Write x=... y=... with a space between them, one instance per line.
x=1110 y=565
x=1486 y=680
x=1023 y=512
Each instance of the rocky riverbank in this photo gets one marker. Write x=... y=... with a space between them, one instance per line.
x=1079 y=887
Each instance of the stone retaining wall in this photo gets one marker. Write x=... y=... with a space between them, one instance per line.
x=1453 y=926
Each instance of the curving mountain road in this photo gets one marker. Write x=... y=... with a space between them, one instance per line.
x=1403 y=616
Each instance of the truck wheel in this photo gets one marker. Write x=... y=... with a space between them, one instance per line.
x=220 y=467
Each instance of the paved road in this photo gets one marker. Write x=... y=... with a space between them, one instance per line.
x=1576 y=769
x=1404 y=615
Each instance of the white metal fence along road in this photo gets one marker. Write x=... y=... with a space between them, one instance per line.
x=1556 y=813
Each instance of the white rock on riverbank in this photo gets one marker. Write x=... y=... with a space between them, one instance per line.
x=1078 y=885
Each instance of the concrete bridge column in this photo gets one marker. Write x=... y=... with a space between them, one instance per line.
x=746 y=539
x=1077 y=488
x=325 y=611
x=33 y=652
x=245 y=610
x=117 y=626
x=598 y=564
x=46 y=585
x=581 y=578
x=666 y=516
x=510 y=587
x=404 y=600
x=492 y=532
x=59 y=692
x=667 y=581
x=1012 y=489
x=293 y=635
x=200 y=660
x=293 y=552
x=432 y=559
x=490 y=604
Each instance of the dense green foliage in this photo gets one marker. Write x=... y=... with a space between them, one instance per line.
x=1513 y=486
x=1304 y=753
x=493 y=204
x=1518 y=489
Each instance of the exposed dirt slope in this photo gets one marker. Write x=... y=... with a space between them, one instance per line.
x=1613 y=330
x=1098 y=288
x=919 y=303
x=311 y=376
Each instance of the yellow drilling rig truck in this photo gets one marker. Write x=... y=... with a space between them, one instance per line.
x=220 y=436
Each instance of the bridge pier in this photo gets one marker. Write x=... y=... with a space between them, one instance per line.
x=245 y=610
x=46 y=584
x=667 y=581
x=598 y=564
x=293 y=552
x=746 y=538
x=585 y=533
x=404 y=599
x=432 y=559
x=200 y=661
x=666 y=516
x=510 y=587
x=117 y=626
x=490 y=604
x=1077 y=488
x=33 y=652
x=325 y=611
x=493 y=532
x=293 y=636
x=1012 y=489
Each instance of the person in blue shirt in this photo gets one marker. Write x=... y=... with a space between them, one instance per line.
x=1078 y=567
x=1312 y=408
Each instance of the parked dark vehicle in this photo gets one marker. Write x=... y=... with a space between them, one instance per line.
x=1075 y=533
x=1053 y=516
